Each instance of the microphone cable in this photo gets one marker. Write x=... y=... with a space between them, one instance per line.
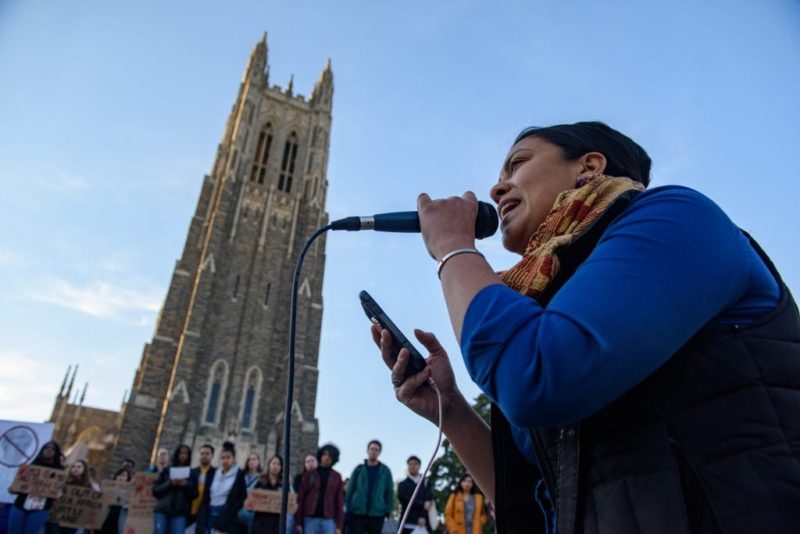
x=287 y=414
x=430 y=462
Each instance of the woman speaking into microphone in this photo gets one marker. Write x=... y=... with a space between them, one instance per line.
x=642 y=356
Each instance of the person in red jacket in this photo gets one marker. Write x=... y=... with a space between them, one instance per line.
x=320 y=499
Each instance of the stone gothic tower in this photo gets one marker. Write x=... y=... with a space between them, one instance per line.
x=215 y=369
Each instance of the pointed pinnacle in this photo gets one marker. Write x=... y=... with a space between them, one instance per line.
x=72 y=380
x=64 y=382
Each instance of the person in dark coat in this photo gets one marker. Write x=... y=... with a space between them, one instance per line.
x=320 y=501
x=114 y=522
x=174 y=494
x=263 y=522
x=29 y=512
x=422 y=502
x=224 y=497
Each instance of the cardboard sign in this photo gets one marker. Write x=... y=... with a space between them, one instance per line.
x=79 y=507
x=39 y=481
x=261 y=500
x=115 y=493
x=141 y=504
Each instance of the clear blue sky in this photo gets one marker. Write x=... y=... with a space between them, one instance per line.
x=110 y=114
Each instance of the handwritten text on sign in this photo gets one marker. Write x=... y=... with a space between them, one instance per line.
x=141 y=504
x=39 y=481
x=261 y=500
x=78 y=507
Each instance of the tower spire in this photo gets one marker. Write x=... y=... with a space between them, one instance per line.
x=72 y=381
x=83 y=395
x=322 y=96
x=256 y=69
x=64 y=382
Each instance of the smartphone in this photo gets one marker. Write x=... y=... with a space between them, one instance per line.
x=399 y=341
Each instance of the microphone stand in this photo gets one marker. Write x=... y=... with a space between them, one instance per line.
x=287 y=416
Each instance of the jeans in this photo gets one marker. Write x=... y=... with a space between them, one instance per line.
x=318 y=525
x=26 y=522
x=123 y=516
x=290 y=524
x=214 y=512
x=168 y=524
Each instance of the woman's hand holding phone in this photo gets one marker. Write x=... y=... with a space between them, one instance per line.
x=416 y=392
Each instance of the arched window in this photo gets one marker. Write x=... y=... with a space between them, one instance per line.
x=262 y=154
x=252 y=389
x=215 y=392
x=287 y=164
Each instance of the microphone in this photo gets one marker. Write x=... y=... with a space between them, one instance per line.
x=408 y=221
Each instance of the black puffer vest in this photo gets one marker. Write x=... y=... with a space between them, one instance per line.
x=710 y=442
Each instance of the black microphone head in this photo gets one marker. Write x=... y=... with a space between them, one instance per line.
x=487 y=221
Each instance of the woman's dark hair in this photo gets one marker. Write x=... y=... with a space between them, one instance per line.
x=84 y=480
x=462 y=479
x=121 y=471
x=375 y=442
x=624 y=156
x=332 y=450
x=176 y=456
x=229 y=447
x=265 y=474
x=55 y=462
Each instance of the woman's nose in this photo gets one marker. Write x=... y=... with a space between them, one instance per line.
x=498 y=190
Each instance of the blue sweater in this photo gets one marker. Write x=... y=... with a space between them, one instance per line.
x=670 y=265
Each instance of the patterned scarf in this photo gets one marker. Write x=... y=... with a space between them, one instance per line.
x=573 y=212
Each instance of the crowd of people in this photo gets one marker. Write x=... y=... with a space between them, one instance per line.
x=212 y=496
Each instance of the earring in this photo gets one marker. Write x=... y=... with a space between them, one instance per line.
x=583 y=180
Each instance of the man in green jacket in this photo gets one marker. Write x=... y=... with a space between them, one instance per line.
x=370 y=493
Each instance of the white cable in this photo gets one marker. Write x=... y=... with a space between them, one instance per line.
x=430 y=462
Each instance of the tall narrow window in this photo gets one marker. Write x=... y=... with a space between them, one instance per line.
x=251 y=391
x=266 y=295
x=213 y=400
x=236 y=286
x=287 y=164
x=248 y=406
x=215 y=392
x=259 y=170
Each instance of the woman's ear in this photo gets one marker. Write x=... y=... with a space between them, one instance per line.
x=593 y=163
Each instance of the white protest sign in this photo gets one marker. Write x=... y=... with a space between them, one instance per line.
x=20 y=442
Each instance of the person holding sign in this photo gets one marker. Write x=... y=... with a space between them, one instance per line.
x=265 y=522
x=118 y=512
x=175 y=489
x=78 y=476
x=30 y=512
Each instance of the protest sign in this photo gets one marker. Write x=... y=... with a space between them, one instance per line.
x=115 y=493
x=179 y=473
x=20 y=441
x=141 y=504
x=78 y=507
x=261 y=500
x=39 y=481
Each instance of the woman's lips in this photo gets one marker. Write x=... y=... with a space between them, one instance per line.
x=507 y=208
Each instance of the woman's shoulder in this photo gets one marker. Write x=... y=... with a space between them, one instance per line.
x=675 y=209
x=675 y=196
